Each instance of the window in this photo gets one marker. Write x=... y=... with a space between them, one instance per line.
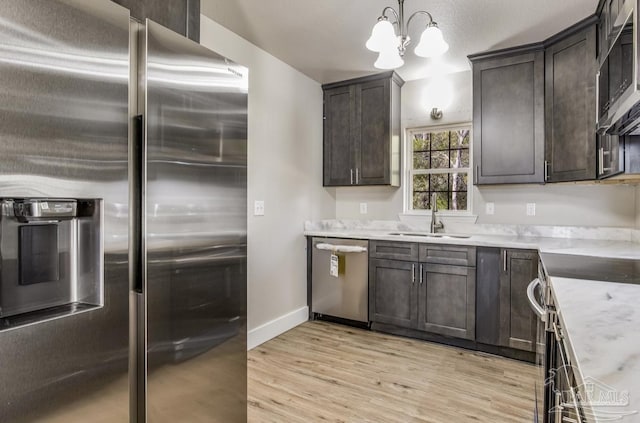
x=438 y=163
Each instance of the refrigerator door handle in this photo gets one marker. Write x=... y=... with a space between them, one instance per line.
x=137 y=253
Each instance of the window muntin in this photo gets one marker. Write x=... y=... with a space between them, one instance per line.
x=439 y=163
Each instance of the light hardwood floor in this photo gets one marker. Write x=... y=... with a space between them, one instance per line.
x=323 y=372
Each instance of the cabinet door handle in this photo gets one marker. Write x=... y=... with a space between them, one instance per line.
x=601 y=161
x=351 y=171
x=421 y=275
x=357 y=176
x=546 y=171
x=413 y=273
x=504 y=261
x=476 y=175
x=597 y=96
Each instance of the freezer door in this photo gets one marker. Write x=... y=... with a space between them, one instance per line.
x=64 y=74
x=195 y=200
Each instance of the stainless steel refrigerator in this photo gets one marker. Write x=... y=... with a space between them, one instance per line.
x=122 y=220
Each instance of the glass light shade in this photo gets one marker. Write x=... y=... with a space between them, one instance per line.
x=383 y=36
x=432 y=43
x=389 y=59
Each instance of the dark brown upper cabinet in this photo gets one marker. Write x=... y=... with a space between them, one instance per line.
x=362 y=131
x=181 y=16
x=570 y=106
x=534 y=110
x=508 y=116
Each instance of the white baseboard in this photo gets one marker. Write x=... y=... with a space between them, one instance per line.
x=277 y=326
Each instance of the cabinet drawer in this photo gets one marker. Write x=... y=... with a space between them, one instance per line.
x=448 y=254
x=393 y=250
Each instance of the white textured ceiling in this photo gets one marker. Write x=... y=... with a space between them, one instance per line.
x=325 y=39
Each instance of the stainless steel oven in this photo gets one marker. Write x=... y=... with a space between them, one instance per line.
x=537 y=293
x=556 y=394
x=561 y=385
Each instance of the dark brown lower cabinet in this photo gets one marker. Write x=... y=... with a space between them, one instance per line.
x=425 y=291
x=503 y=316
x=518 y=323
x=428 y=297
x=392 y=292
x=447 y=300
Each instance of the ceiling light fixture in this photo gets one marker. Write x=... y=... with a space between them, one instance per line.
x=392 y=47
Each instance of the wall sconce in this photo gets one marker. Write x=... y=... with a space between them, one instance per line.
x=437 y=96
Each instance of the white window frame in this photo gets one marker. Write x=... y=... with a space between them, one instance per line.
x=409 y=171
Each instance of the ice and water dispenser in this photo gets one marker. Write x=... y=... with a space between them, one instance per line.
x=51 y=258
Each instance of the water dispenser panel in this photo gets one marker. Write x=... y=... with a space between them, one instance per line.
x=51 y=259
x=38 y=255
x=45 y=209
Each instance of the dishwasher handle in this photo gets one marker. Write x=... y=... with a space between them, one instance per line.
x=537 y=308
x=341 y=248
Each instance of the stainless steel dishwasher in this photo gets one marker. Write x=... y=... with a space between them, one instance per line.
x=345 y=296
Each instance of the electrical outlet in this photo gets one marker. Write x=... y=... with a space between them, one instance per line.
x=490 y=208
x=258 y=208
x=531 y=209
x=363 y=208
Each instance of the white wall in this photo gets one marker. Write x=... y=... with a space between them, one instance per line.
x=284 y=170
x=564 y=204
x=383 y=203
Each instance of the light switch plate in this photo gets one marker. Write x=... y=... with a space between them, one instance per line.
x=363 y=208
x=490 y=208
x=531 y=209
x=258 y=208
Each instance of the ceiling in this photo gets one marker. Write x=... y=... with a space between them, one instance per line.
x=325 y=39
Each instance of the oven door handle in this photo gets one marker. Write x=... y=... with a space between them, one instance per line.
x=537 y=308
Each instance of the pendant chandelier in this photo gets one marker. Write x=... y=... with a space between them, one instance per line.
x=392 y=46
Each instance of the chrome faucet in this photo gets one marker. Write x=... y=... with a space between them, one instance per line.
x=435 y=225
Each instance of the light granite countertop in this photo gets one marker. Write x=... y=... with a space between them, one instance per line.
x=602 y=322
x=586 y=247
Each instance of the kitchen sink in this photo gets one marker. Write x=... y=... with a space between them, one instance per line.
x=429 y=235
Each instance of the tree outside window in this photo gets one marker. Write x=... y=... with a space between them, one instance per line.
x=439 y=164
